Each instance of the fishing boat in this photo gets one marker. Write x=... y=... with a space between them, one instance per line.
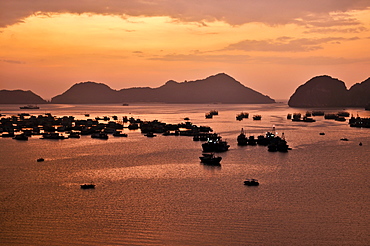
x=251 y=182
x=30 y=107
x=215 y=145
x=88 y=186
x=210 y=159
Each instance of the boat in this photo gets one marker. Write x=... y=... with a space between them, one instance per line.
x=278 y=144
x=318 y=113
x=242 y=138
x=213 y=112
x=359 y=122
x=150 y=135
x=40 y=160
x=101 y=135
x=343 y=114
x=210 y=159
x=209 y=116
x=251 y=182
x=215 y=145
x=125 y=104
x=322 y=133
x=21 y=137
x=340 y=118
x=330 y=116
x=87 y=186
x=242 y=115
x=308 y=119
x=344 y=139
x=52 y=135
x=257 y=117
x=119 y=134
x=74 y=135
x=30 y=107
x=296 y=117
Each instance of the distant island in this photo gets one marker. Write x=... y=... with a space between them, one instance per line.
x=220 y=88
x=20 y=97
x=325 y=91
x=320 y=91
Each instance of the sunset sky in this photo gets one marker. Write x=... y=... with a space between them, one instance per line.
x=270 y=46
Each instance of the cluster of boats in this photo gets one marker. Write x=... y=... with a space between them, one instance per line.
x=270 y=139
x=242 y=115
x=211 y=113
x=340 y=116
x=23 y=126
x=359 y=122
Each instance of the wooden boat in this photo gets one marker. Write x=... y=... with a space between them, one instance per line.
x=87 y=186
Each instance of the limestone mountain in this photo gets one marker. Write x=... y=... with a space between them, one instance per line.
x=19 y=97
x=325 y=91
x=220 y=88
x=359 y=94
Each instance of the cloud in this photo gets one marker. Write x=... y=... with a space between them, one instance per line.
x=326 y=30
x=203 y=58
x=12 y=61
x=286 y=44
x=247 y=59
x=234 y=12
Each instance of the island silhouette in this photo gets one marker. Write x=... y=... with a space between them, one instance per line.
x=320 y=91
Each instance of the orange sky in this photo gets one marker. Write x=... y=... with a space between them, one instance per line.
x=270 y=46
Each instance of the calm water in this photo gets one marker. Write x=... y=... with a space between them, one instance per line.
x=154 y=191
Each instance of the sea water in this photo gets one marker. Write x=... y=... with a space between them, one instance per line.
x=154 y=191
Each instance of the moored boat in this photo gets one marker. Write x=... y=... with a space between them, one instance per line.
x=215 y=145
x=251 y=182
x=88 y=186
x=257 y=117
x=210 y=159
x=100 y=135
x=30 y=107
x=21 y=137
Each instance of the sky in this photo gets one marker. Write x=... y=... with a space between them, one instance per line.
x=271 y=46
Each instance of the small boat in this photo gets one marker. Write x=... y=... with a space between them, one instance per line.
x=322 y=133
x=242 y=115
x=125 y=104
x=40 y=159
x=208 y=116
x=74 y=135
x=257 y=117
x=21 y=137
x=30 y=107
x=150 y=135
x=213 y=112
x=242 y=138
x=210 y=159
x=87 y=186
x=318 y=113
x=100 y=135
x=52 y=135
x=344 y=139
x=308 y=119
x=119 y=134
x=251 y=182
